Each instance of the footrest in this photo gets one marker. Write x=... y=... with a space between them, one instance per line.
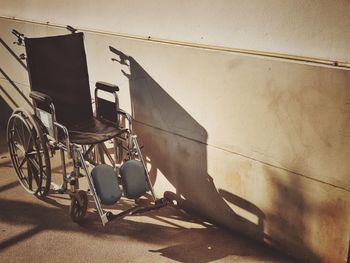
x=133 y=176
x=106 y=184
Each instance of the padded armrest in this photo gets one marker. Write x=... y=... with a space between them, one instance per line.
x=38 y=96
x=106 y=86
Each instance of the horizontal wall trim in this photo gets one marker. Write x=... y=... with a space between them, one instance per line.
x=293 y=58
x=244 y=156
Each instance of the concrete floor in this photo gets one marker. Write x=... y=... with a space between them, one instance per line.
x=40 y=230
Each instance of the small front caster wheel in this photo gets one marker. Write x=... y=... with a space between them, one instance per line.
x=77 y=209
x=163 y=202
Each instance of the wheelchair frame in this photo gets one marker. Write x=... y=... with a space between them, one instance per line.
x=44 y=139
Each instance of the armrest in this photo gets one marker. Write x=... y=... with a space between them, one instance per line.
x=38 y=96
x=128 y=117
x=106 y=86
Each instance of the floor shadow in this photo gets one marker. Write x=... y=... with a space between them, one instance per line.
x=207 y=243
x=3 y=142
x=199 y=248
x=9 y=186
x=248 y=207
x=5 y=111
x=176 y=145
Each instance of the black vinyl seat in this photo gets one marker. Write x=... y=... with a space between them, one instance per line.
x=93 y=131
x=57 y=67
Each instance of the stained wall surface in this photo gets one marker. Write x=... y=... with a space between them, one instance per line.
x=256 y=144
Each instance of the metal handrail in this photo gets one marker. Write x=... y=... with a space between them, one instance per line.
x=8 y=95
x=16 y=87
x=8 y=78
x=13 y=53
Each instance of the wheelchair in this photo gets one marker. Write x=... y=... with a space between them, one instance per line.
x=63 y=120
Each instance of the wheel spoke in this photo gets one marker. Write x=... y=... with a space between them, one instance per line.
x=19 y=147
x=22 y=163
x=43 y=175
x=35 y=165
x=28 y=143
x=34 y=162
x=32 y=153
x=23 y=134
x=30 y=176
x=18 y=135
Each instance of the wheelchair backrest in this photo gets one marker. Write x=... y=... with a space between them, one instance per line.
x=57 y=67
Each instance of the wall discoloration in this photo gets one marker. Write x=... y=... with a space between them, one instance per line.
x=257 y=145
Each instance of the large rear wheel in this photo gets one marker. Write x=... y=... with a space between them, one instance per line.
x=29 y=154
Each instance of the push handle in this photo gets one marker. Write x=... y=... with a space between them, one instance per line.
x=71 y=29
x=106 y=86
x=39 y=96
x=17 y=34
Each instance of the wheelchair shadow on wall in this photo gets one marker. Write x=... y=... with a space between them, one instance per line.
x=175 y=144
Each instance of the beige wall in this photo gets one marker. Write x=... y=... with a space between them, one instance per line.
x=259 y=145
x=299 y=27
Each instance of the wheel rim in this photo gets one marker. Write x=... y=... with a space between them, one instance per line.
x=28 y=154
